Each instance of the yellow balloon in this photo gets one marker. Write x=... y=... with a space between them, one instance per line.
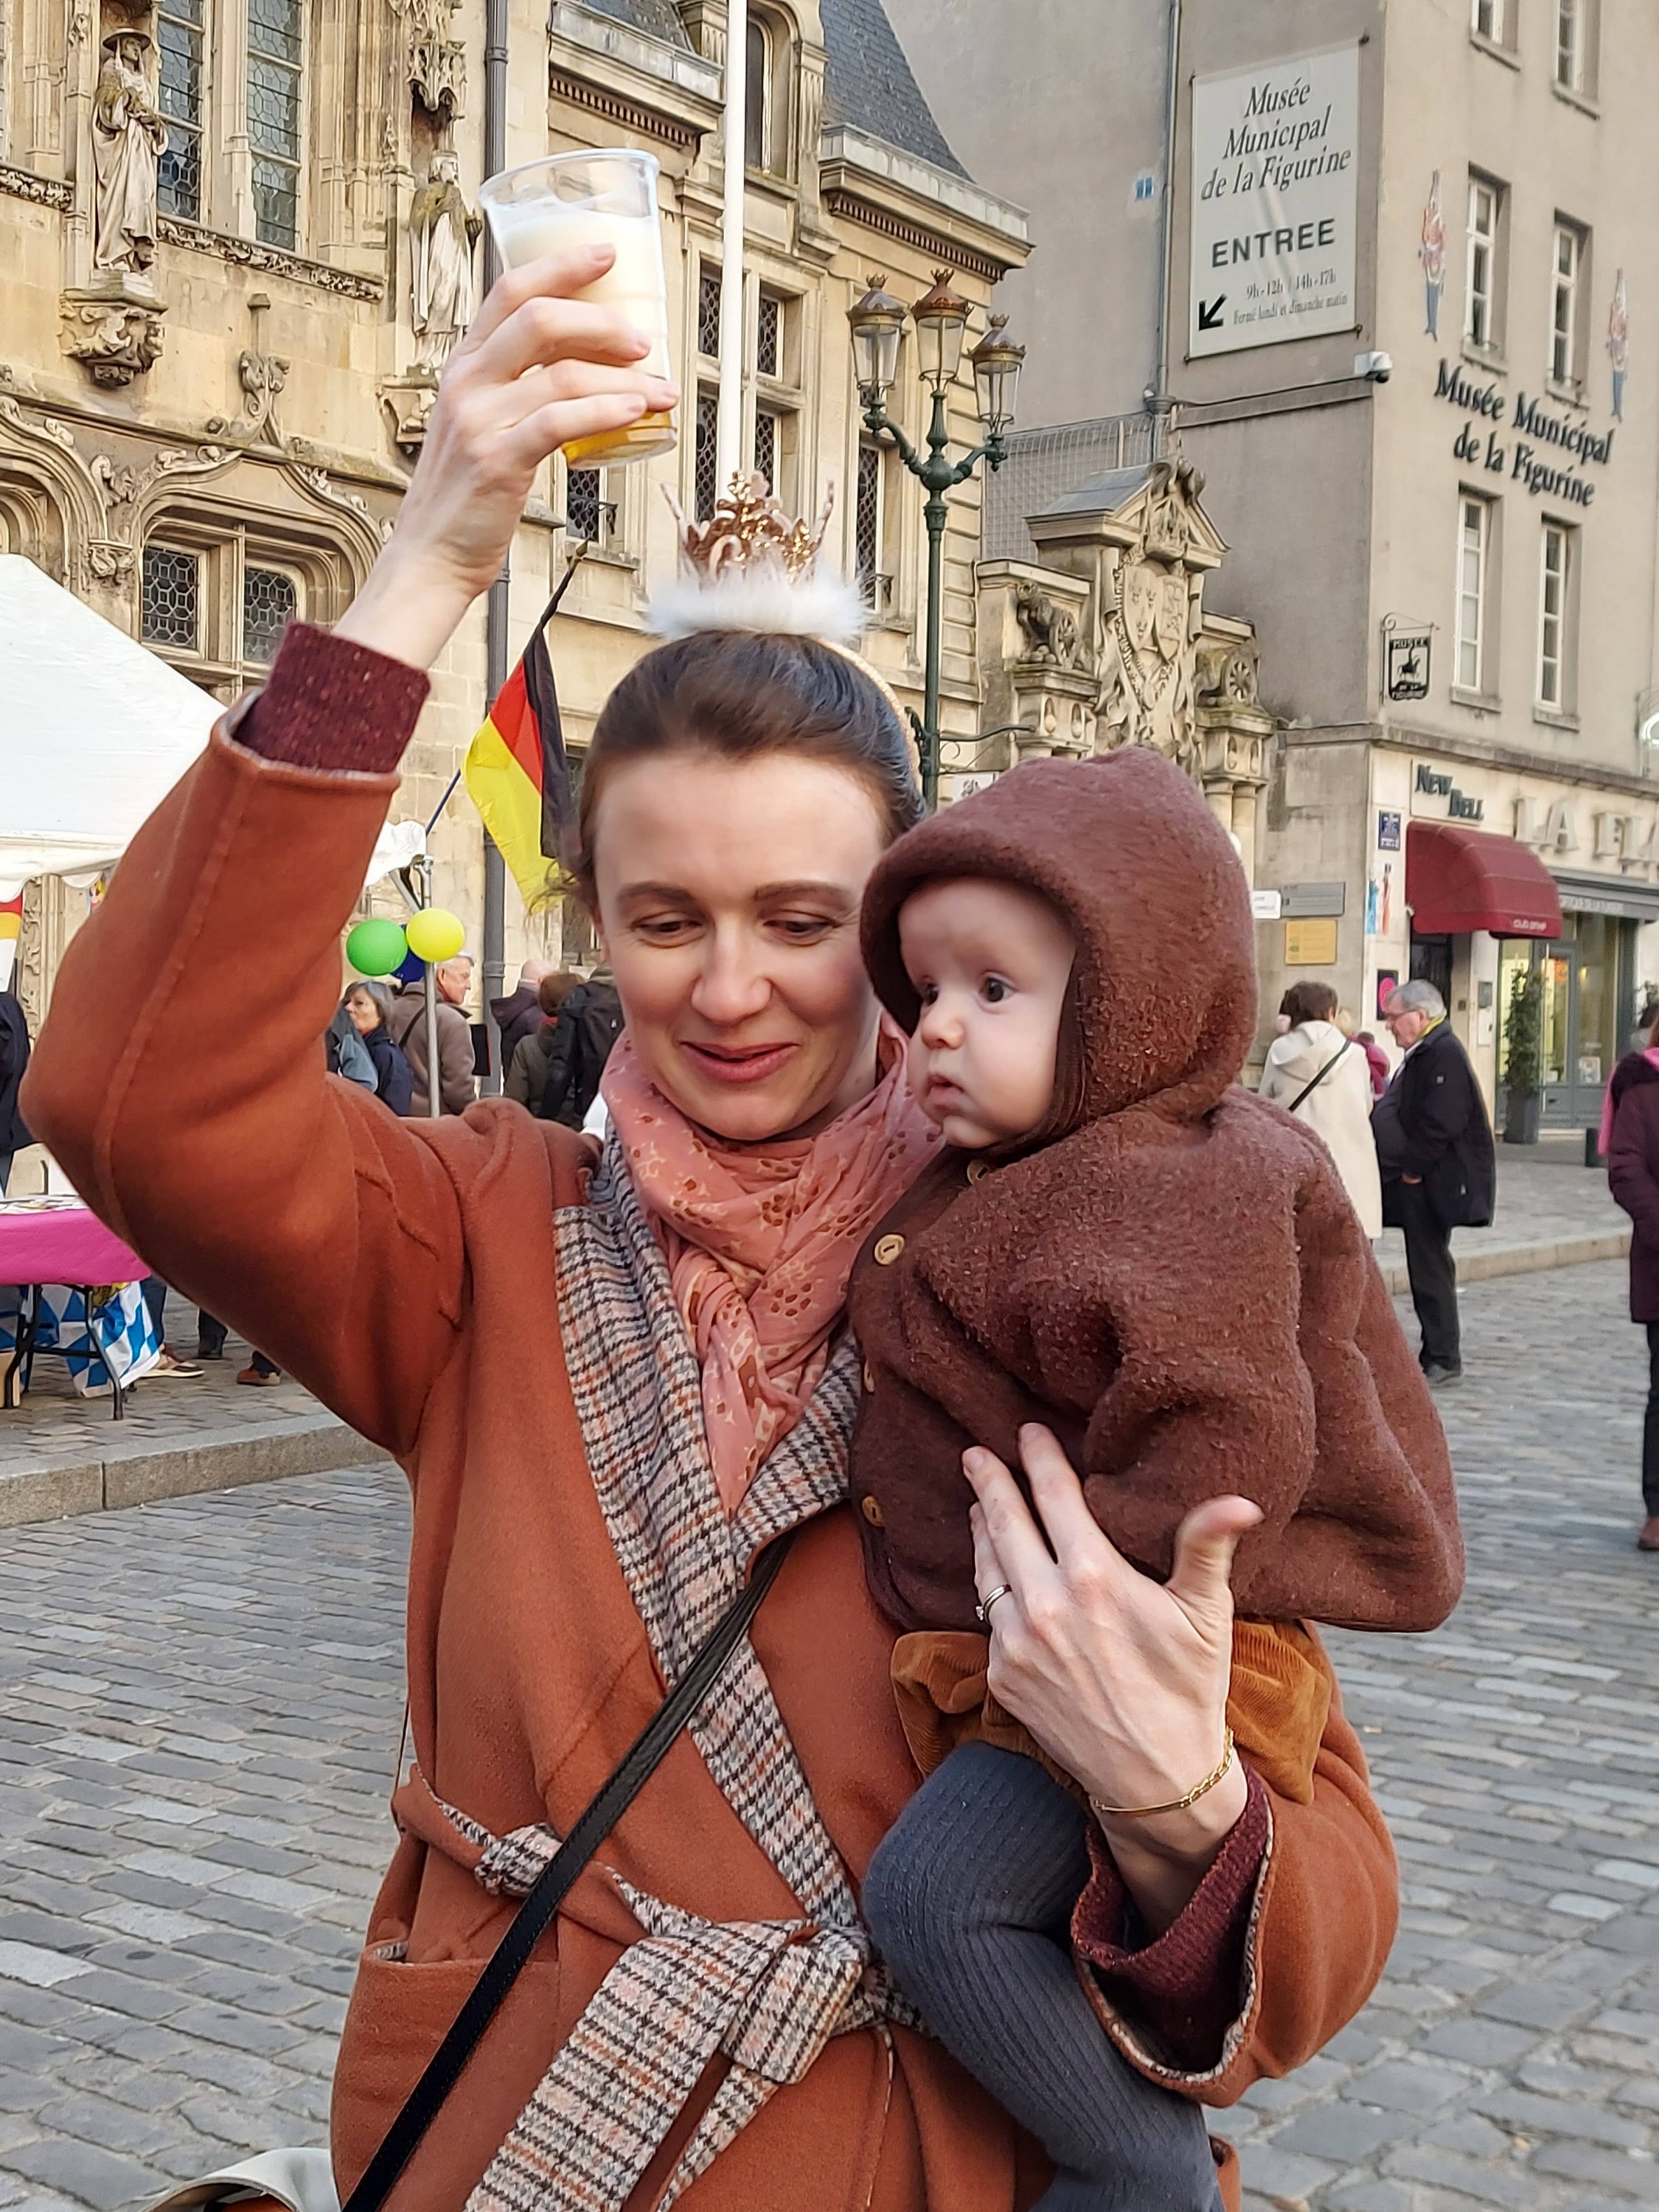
x=435 y=933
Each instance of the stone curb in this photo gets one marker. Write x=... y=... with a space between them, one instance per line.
x=132 y=1476
x=1481 y=1267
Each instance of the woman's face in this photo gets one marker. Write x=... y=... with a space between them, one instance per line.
x=728 y=896
x=365 y=1014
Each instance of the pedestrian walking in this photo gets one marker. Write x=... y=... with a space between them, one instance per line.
x=1629 y=1140
x=675 y=1315
x=1321 y=1076
x=1435 y=1150
x=14 y=1059
x=590 y=1021
x=457 y=1087
x=527 y=1074
x=369 y=1004
x=520 y=1014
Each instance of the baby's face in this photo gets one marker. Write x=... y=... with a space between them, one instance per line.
x=990 y=963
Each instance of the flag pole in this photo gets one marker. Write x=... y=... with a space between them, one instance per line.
x=728 y=438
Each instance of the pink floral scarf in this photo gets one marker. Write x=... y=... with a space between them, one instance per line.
x=760 y=1241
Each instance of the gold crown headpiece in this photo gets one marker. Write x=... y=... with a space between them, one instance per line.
x=751 y=568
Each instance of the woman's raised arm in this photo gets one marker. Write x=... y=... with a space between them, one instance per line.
x=180 y=1079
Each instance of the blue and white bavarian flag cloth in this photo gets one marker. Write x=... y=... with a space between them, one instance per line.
x=96 y=1332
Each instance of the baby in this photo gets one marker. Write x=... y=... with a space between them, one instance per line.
x=1116 y=1241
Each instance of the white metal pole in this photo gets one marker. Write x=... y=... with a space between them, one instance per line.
x=728 y=439
x=434 y=1097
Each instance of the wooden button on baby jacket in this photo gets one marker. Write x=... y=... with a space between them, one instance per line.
x=871 y=1509
x=869 y=1376
x=887 y=1250
x=977 y=1166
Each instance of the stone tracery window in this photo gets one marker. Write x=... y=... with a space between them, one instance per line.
x=216 y=606
x=276 y=52
x=180 y=38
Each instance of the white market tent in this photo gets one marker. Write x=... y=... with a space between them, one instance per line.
x=94 y=730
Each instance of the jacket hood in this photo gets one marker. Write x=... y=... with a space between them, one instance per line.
x=1302 y=1051
x=1164 y=982
x=516 y=1002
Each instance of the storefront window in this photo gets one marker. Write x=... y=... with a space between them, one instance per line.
x=1557 y=996
x=1596 y=1047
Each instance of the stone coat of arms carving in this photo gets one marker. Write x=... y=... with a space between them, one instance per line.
x=1149 y=619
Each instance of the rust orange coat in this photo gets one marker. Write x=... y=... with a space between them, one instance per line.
x=405 y=1272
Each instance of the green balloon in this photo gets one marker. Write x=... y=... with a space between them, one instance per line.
x=376 y=947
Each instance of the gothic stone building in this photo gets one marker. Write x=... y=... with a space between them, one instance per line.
x=238 y=239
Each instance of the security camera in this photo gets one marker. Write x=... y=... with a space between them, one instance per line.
x=1378 y=366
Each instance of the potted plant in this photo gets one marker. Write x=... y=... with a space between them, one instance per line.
x=1522 y=1058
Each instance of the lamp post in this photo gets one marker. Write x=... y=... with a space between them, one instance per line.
x=941 y=322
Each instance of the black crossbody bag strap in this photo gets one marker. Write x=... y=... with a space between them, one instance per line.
x=1320 y=1078
x=444 y=2068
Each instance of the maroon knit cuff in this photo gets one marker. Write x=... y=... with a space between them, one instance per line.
x=331 y=704
x=1183 y=1989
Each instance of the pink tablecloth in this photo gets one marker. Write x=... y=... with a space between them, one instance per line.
x=67 y=1245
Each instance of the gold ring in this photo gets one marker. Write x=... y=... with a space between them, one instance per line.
x=983 y=1610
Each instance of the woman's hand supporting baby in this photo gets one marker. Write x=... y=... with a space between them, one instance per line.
x=1122 y=1680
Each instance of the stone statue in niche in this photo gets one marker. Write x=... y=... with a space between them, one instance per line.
x=129 y=137
x=442 y=234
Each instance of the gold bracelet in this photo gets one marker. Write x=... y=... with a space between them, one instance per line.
x=1176 y=1804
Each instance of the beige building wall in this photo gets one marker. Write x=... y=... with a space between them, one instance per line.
x=256 y=407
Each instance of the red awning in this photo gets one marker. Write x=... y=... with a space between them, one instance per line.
x=1460 y=879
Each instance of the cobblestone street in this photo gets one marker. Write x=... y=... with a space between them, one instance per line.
x=201 y=1705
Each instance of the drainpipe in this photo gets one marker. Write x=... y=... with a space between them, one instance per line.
x=1159 y=395
x=728 y=437
x=495 y=608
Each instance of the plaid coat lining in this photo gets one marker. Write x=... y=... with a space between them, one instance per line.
x=767 y=1994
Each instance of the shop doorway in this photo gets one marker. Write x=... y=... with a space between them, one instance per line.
x=1585 y=1012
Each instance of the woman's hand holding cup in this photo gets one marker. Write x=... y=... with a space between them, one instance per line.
x=537 y=369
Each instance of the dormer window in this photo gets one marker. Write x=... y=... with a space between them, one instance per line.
x=766 y=103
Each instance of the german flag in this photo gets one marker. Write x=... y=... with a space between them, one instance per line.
x=516 y=772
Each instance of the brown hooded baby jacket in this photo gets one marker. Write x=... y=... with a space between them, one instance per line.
x=1169 y=1275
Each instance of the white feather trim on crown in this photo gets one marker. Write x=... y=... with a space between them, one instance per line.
x=760 y=595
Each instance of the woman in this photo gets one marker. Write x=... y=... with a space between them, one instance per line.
x=526 y=1075
x=1321 y=1077
x=369 y=1006
x=1630 y=1139
x=426 y=1279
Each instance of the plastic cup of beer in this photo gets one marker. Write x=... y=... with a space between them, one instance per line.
x=573 y=199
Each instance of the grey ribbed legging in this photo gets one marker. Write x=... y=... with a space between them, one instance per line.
x=970 y=1900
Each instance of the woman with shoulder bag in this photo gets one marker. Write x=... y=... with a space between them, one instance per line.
x=1321 y=1077
x=706 y=2022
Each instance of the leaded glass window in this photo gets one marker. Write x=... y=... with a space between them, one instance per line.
x=766 y=447
x=172 y=607
x=582 y=505
x=275 y=52
x=270 y=602
x=706 y=456
x=867 y=517
x=769 y=335
x=179 y=34
x=709 y=312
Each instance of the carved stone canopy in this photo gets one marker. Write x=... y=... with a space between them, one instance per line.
x=1143 y=542
x=112 y=328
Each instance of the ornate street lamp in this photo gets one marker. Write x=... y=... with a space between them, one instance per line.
x=940 y=317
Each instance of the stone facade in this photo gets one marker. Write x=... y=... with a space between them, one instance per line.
x=210 y=443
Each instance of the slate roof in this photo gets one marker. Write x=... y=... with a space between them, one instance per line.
x=868 y=83
x=657 y=19
x=869 y=87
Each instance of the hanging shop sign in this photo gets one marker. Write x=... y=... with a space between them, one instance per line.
x=1539 y=447
x=1274 y=201
x=1406 y=654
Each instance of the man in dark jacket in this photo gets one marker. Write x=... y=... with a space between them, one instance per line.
x=1434 y=1146
x=1633 y=1179
x=521 y=1015
x=590 y=1021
